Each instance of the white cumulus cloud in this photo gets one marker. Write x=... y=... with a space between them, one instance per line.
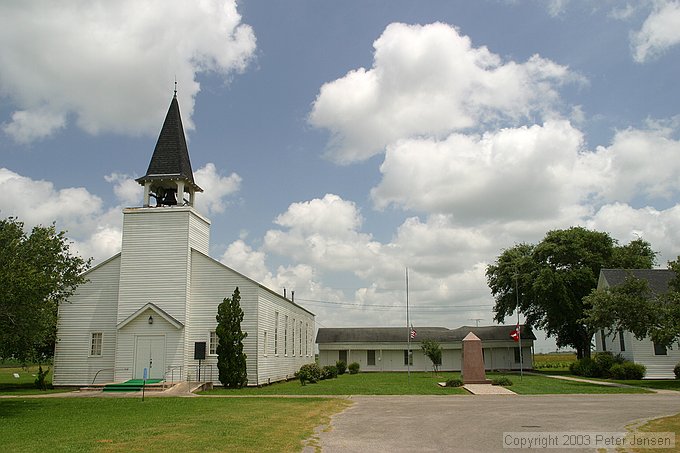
x=659 y=32
x=430 y=80
x=216 y=188
x=79 y=59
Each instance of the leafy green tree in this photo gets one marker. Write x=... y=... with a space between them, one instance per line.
x=231 y=360
x=37 y=273
x=550 y=279
x=433 y=350
x=632 y=306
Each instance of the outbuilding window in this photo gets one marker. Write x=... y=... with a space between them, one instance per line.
x=660 y=349
x=622 y=342
x=408 y=357
x=370 y=357
x=96 y=340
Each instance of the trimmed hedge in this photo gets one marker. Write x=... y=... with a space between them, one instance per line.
x=353 y=368
x=502 y=381
x=676 y=370
x=628 y=371
x=454 y=382
x=607 y=365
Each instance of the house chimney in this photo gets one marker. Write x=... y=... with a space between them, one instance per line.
x=292 y=296
x=284 y=293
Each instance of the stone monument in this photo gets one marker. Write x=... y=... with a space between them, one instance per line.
x=473 y=361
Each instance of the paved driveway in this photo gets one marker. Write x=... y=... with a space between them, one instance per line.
x=477 y=423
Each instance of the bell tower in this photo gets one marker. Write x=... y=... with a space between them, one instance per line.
x=169 y=178
x=158 y=238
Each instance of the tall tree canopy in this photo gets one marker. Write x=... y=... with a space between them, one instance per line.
x=634 y=307
x=37 y=273
x=550 y=279
x=231 y=360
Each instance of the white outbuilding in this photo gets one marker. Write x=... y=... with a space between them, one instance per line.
x=150 y=310
x=658 y=359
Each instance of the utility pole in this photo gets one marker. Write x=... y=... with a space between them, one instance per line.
x=476 y=320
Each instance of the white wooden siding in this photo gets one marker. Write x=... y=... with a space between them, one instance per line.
x=91 y=309
x=658 y=366
x=211 y=282
x=127 y=340
x=642 y=352
x=275 y=367
x=155 y=259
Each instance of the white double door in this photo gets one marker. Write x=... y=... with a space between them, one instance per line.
x=150 y=355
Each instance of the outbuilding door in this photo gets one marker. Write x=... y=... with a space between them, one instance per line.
x=150 y=354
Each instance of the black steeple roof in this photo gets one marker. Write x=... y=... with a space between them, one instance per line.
x=170 y=158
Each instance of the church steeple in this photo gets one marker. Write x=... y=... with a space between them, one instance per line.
x=169 y=175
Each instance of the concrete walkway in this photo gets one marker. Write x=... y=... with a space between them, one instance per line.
x=488 y=389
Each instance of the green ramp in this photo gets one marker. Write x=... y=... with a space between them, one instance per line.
x=133 y=385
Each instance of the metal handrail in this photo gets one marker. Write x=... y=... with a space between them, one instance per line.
x=171 y=371
x=106 y=369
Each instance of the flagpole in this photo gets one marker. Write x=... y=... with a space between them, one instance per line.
x=519 y=331
x=408 y=333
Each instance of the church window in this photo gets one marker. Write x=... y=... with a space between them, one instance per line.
x=213 y=343
x=276 y=333
x=264 y=343
x=285 y=336
x=96 y=344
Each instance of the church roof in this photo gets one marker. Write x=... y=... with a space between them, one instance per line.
x=657 y=279
x=400 y=334
x=170 y=158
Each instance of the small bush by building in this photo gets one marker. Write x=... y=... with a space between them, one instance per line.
x=310 y=372
x=628 y=371
x=454 y=382
x=329 y=372
x=353 y=368
x=502 y=381
x=341 y=366
x=676 y=370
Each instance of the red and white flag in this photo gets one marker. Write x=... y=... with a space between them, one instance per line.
x=413 y=332
x=515 y=333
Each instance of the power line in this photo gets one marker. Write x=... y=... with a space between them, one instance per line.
x=385 y=307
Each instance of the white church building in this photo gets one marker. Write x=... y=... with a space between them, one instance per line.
x=150 y=310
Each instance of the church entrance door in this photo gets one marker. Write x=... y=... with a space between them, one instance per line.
x=150 y=354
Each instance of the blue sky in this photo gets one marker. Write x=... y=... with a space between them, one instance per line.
x=340 y=142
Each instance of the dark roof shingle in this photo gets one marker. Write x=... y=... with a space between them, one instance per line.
x=657 y=279
x=171 y=156
x=400 y=334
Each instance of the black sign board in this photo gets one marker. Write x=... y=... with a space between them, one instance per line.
x=199 y=350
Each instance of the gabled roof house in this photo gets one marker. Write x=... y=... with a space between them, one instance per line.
x=658 y=360
x=387 y=348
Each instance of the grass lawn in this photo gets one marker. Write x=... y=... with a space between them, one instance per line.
x=660 y=384
x=542 y=385
x=661 y=425
x=162 y=424
x=421 y=384
x=357 y=384
x=24 y=385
